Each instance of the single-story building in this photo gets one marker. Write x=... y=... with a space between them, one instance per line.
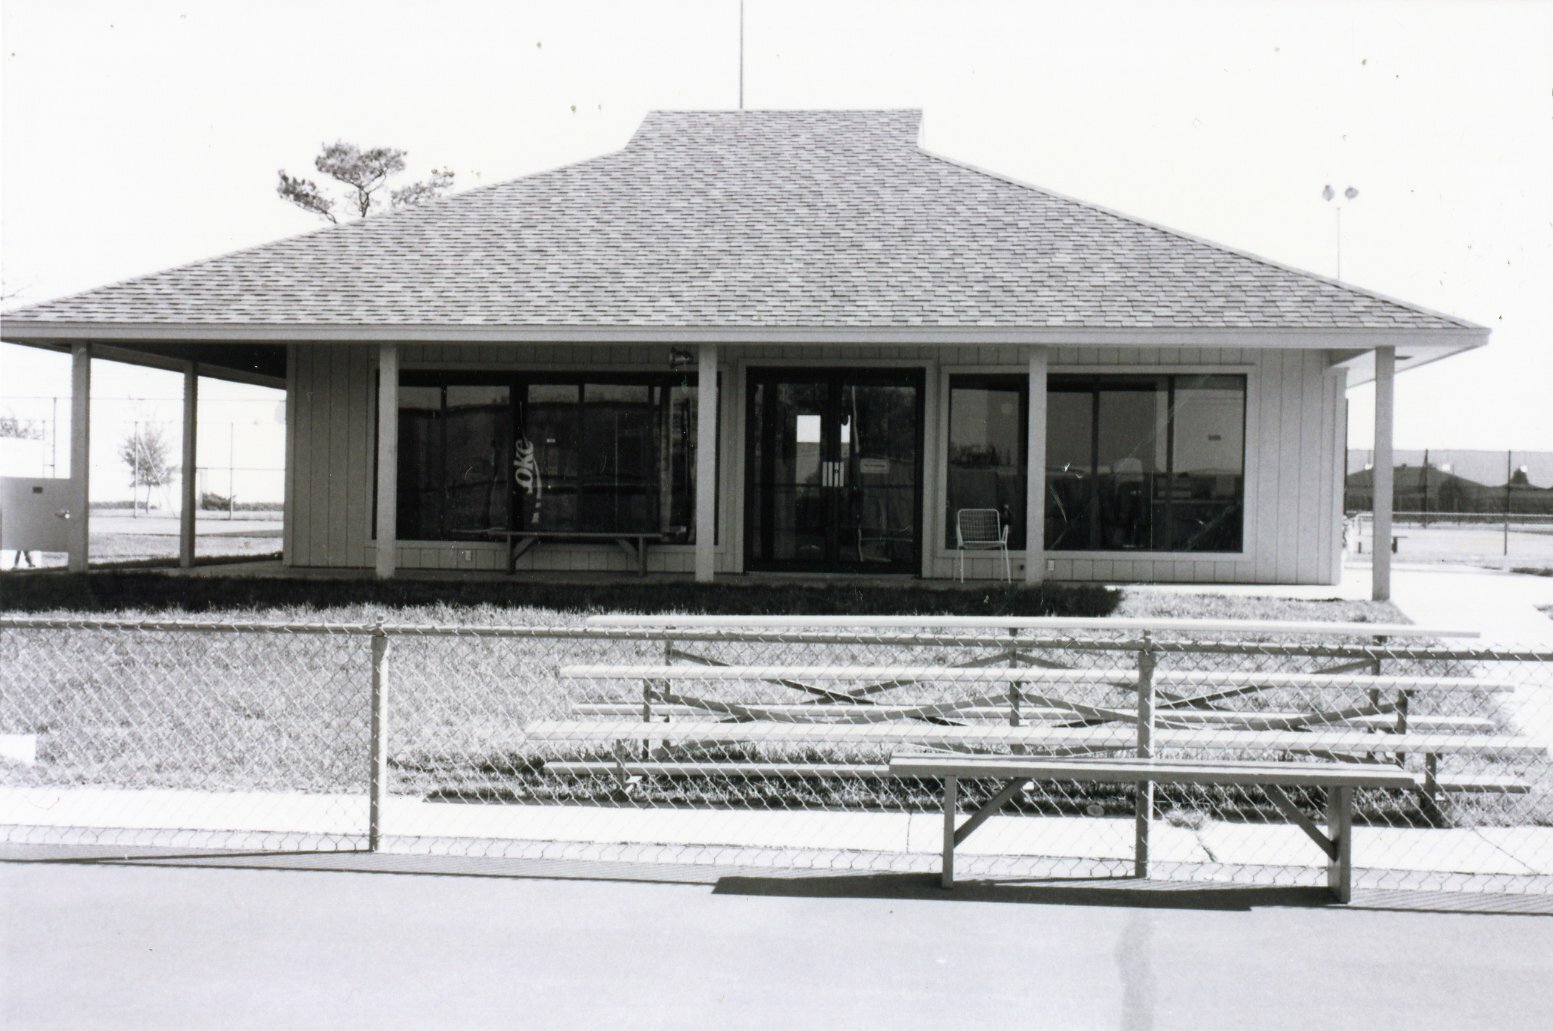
x=782 y=341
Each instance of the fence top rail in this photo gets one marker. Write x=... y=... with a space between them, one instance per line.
x=1122 y=624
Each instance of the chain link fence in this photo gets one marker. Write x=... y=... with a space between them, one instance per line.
x=1492 y=508
x=737 y=746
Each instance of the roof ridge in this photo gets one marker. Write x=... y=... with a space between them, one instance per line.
x=1194 y=238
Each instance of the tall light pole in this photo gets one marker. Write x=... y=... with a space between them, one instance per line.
x=1329 y=195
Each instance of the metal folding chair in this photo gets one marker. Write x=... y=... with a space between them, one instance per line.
x=980 y=529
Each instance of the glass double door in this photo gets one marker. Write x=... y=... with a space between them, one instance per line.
x=834 y=470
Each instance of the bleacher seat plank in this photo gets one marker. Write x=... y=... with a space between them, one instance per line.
x=797 y=711
x=1103 y=736
x=1131 y=770
x=1122 y=677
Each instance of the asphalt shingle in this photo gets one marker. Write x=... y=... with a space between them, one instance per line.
x=746 y=219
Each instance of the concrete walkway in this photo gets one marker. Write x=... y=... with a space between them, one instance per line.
x=1504 y=608
x=291 y=821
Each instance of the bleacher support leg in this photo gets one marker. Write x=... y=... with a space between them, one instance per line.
x=951 y=801
x=1340 y=830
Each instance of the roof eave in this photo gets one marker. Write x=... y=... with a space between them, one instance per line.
x=1439 y=342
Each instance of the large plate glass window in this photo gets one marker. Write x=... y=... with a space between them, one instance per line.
x=608 y=455
x=987 y=449
x=480 y=452
x=1145 y=463
x=455 y=450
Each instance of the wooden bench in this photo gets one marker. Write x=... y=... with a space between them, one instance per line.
x=1338 y=779
x=519 y=542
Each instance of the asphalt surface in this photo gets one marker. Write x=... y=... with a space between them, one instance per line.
x=135 y=945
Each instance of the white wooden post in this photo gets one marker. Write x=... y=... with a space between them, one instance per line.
x=191 y=398
x=80 y=455
x=1385 y=397
x=706 y=463
x=387 y=458
x=1035 y=471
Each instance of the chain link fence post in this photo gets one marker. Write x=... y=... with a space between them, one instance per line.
x=377 y=773
x=1144 y=805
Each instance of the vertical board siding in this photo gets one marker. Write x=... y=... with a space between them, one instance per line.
x=300 y=512
x=1269 y=431
x=1307 y=486
x=359 y=531
x=288 y=526
x=331 y=456
x=1324 y=494
x=340 y=457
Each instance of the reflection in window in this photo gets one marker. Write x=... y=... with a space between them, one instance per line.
x=987 y=443
x=609 y=456
x=1151 y=463
x=455 y=447
x=579 y=455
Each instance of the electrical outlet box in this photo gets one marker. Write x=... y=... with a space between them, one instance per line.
x=466 y=555
x=1051 y=567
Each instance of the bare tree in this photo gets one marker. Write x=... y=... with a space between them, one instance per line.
x=20 y=429
x=364 y=173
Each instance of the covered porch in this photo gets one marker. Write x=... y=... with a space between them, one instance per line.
x=54 y=514
x=1292 y=403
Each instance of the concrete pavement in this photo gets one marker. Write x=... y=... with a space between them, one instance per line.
x=134 y=946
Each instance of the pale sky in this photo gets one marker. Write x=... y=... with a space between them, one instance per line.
x=141 y=135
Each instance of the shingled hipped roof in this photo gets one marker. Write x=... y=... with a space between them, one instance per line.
x=774 y=219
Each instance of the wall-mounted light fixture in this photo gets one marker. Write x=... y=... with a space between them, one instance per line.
x=680 y=358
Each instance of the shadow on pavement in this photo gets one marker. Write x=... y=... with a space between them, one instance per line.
x=1125 y=892
x=781 y=883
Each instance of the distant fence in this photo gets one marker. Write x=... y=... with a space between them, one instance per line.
x=1450 y=484
x=571 y=742
x=137 y=448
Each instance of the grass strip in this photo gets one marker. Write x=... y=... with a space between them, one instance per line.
x=120 y=591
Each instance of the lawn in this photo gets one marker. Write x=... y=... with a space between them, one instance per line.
x=122 y=538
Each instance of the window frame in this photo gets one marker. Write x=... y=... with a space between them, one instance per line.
x=946 y=536
x=1251 y=474
x=517 y=382
x=1248 y=443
